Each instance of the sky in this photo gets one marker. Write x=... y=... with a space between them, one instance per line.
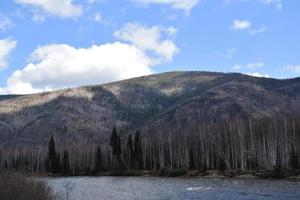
x=52 y=44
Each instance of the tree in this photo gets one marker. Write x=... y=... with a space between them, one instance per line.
x=98 y=160
x=115 y=142
x=66 y=163
x=293 y=159
x=118 y=149
x=130 y=152
x=138 y=151
x=53 y=164
x=191 y=159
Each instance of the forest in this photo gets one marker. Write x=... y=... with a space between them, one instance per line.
x=240 y=144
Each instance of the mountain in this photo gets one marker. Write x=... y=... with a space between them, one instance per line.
x=172 y=100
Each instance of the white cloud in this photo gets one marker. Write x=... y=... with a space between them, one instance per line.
x=186 y=5
x=293 y=68
x=6 y=46
x=98 y=17
x=60 y=8
x=60 y=65
x=276 y=3
x=242 y=25
x=256 y=74
x=5 y=22
x=150 y=39
x=248 y=66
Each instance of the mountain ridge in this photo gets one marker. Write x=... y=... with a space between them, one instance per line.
x=166 y=100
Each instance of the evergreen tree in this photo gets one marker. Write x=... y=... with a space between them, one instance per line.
x=53 y=163
x=98 y=160
x=114 y=141
x=66 y=163
x=118 y=149
x=138 y=151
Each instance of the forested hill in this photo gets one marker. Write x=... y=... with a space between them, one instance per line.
x=170 y=121
x=172 y=100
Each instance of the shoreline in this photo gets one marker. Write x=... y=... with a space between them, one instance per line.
x=226 y=174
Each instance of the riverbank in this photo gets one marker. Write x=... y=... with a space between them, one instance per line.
x=288 y=174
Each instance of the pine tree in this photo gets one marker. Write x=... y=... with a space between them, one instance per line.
x=53 y=161
x=98 y=160
x=114 y=141
x=118 y=149
x=66 y=163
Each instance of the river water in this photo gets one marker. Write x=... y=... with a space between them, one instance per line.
x=152 y=188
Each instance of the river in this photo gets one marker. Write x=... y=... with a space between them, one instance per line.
x=152 y=188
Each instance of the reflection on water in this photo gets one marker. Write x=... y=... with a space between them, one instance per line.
x=151 y=188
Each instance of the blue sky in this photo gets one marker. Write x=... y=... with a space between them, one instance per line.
x=53 y=44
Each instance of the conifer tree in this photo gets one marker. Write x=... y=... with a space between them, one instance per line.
x=98 y=160
x=114 y=141
x=118 y=149
x=53 y=163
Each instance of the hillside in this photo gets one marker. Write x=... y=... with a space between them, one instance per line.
x=168 y=100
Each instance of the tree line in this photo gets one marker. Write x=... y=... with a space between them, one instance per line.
x=244 y=144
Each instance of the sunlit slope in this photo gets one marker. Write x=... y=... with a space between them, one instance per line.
x=168 y=100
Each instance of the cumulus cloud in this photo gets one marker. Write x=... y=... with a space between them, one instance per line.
x=58 y=66
x=185 y=5
x=150 y=39
x=241 y=25
x=5 y=23
x=6 y=46
x=251 y=66
x=60 y=8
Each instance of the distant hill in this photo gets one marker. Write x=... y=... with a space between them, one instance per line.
x=174 y=100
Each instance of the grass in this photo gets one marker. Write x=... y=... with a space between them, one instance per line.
x=15 y=186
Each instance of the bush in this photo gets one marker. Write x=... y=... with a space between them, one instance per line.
x=15 y=186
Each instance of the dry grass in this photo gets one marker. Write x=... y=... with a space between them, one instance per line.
x=14 y=186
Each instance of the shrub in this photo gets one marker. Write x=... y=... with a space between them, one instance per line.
x=15 y=186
